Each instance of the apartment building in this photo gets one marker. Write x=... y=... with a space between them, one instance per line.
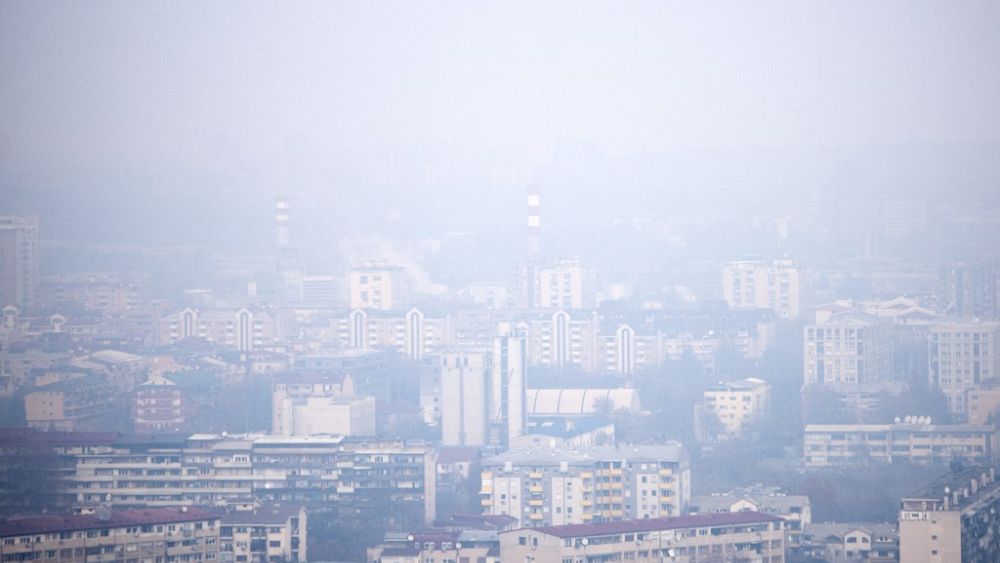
x=108 y=294
x=320 y=403
x=756 y=284
x=983 y=403
x=953 y=518
x=16 y=368
x=704 y=537
x=166 y=535
x=379 y=285
x=970 y=289
x=848 y=444
x=413 y=333
x=566 y=284
x=241 y=329
x=796 y=510
x=549 y=486
x=19 y=260
x=630 y=341
x=729 y=409
x=961 y=356
x=565 y=338
x=264 y=535
x=437 y=546
x=846 y=346
x=849 y=542
x=80 y=403
x=379 y=481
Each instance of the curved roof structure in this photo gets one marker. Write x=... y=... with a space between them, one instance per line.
x=575 y=402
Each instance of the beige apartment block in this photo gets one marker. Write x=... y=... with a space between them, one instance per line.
x=920 y=442
x=739 y=536
x=548 y=486
x=264 y=534
x=954 y=518
x=163 y=535
x=736 y=405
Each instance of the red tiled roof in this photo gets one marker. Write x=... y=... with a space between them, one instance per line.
x=67 y=523
x=654 y=524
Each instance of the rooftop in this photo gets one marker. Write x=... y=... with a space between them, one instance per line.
x=657 y=524
x=66 y=523
x=671 y=451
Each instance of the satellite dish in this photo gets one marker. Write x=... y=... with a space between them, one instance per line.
x=585 y=541
x=410 y=537
x=671 y=552
x=897 y=420
x=458 y=545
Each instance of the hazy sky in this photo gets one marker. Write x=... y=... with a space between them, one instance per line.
x=269 y=97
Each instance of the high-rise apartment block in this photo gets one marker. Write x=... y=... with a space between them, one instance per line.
x=961 y=356
x=19 y=257
x=567 y=284
x=846 y=346
x=755 y=284
x=379 y=285
x=970 y=289
x=241 y=329
x=550 y=486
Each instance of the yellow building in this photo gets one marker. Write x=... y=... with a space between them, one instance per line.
x=737 y=536
x=735 y=405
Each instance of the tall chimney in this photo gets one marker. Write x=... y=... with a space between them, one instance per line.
x=282 y=218
x=534 y=221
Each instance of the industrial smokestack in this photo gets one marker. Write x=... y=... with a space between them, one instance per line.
x=534 y=221
x=282 y=218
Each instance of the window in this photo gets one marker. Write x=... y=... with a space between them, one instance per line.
x=521 y=540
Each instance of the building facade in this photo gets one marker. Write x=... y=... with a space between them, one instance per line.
x=166 y=535
x=736 y=406
x=857 y=444
x=846 y=346
x=548 y=486
x=264 y=535
x=705 y=537
x=954 y=518
x=19 y=259
x=465 y=398
x=754 y=284
x=961 y=356
x=379 y=286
